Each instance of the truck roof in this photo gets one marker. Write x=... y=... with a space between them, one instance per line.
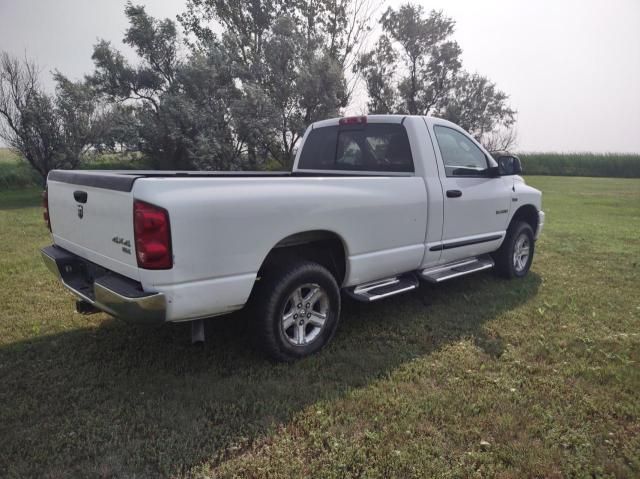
x=384 y=119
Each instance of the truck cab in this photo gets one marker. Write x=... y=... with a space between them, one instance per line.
x=470 y=201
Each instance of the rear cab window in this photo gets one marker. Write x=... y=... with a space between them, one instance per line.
x=373 y=147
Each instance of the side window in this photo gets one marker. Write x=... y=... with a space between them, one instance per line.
x=373 y=147
x=460 y=155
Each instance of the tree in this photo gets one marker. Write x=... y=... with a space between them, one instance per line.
x=143 y=86
x=239 y=100
x=48 y=131
x=81 y=116
x=340 y=25
x=476 y=104
x=501 y=139
x=290 y=59
x=415 y=68
x=179 y=107
x=302 y=83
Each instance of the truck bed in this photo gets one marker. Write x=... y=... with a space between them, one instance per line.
x=223 y=226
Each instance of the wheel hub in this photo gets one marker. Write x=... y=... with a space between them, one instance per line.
x=304 y=314
x=521 y=253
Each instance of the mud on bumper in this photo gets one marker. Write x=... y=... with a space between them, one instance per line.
x=108 y=291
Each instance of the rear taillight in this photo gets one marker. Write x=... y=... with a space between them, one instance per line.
x=45 y=206
x=152 y=235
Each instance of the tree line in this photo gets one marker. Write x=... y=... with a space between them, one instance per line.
x=234 y=84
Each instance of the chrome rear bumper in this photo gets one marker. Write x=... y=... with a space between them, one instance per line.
x=106 y=290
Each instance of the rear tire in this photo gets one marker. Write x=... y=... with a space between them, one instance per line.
x=296 y=308
x=514 y=258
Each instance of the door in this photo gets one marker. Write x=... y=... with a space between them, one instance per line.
x=476 y=206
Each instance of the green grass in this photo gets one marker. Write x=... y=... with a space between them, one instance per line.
x=545 y=370
x=7 y=156
x=15 y=173
x=612 y=165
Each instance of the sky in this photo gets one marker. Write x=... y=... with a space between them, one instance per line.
x=570 y=67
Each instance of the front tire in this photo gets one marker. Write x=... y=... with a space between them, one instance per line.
x=514 y=258
x=296 y=310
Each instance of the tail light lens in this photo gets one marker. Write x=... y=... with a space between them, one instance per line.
x=45 y=206
x=152 y=235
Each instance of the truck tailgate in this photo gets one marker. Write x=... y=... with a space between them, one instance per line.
x=94 y=219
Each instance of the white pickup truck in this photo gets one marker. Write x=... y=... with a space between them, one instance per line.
x=373 y=205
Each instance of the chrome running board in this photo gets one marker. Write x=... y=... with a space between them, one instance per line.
x=383 y=288
x=456 y=269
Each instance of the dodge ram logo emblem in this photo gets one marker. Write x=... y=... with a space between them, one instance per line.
x=80 y=211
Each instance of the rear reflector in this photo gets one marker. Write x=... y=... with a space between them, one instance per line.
x=353 y=120
x=153 y=236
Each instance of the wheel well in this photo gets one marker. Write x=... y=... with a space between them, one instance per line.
x=322 y=247
x=528 y=214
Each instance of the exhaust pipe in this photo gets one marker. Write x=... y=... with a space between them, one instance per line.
x=197 y=331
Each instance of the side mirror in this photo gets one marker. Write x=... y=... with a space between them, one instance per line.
x=509 y=165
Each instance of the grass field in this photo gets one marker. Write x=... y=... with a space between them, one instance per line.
x=479 y=377
x=15 y=173
x=612 y=165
